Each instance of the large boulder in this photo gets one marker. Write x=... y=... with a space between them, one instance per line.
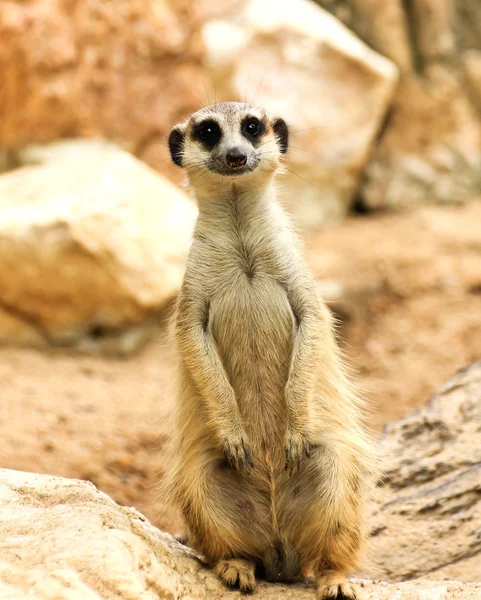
x=428 y=520
x=92 y=248
x=303 y=64
x=126 y=71
x=430 y=147
x=62 y=539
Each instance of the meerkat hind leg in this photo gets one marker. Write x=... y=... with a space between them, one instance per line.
x=340 y=558
x=237 y=572
x=333 y=585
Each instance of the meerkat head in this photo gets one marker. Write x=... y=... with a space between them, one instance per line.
x=229 y=139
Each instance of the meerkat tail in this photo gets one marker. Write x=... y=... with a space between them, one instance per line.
x=281 y=560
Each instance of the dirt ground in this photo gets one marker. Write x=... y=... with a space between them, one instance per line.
x=407 y=287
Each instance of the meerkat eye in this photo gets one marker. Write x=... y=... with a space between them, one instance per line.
x=252 y=128
x=208 y=132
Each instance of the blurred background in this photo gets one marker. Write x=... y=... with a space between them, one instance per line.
x=384 y=181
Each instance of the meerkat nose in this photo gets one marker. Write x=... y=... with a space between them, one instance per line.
x=236 y=158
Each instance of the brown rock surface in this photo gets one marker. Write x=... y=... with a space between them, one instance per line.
x=407 y=287
x=92 y=248
x=428 y=523
x=62 y=539
x=125 y=71
x=302 y=64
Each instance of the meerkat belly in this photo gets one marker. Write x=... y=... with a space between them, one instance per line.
x=253 y=325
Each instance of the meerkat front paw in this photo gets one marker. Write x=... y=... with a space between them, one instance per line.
x=297 y=447
x=237 y=451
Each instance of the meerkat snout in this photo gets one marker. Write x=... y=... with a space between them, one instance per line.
x=236 y=158
x=229 y=139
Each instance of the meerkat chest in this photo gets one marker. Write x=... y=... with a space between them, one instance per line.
x=243 y=268
x=246 y=259
x=250 y=311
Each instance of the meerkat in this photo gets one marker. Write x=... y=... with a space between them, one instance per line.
x=273 y=464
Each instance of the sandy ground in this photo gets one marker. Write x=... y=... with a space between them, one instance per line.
x=410 y=303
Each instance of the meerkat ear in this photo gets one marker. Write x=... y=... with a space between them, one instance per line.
x=282 y=133
x=176 y=145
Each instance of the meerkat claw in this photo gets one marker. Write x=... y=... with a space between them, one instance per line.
x=229 y=457
x=238 y=455
x=297 y=446
x=249 y=456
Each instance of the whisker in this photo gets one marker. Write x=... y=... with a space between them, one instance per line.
x=303 y=179
x=271 y=141
x=302 y=150
x=293 y=148
x=194 y=179
x=258 y=88
x=195 y=97
x=308 y=129
x=237 y=93
x=247 y=85
x=206 y=92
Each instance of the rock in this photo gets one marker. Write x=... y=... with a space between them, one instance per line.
x=466 y=23
x=380 y=23
x=301 y=63
x=94 y=68
x=430 y=145
x=472 y=70
x=427 y=524
x=7 y=159
x=74 y=542
x=92 y=248
x=434 y=21
x=62 y=539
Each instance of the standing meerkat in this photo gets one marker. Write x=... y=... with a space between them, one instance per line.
x=272 y=464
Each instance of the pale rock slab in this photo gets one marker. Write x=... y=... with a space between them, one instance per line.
x=383 y=24
x=430 y=146
x=92 y=248
x=62 y=539
x=428 y=521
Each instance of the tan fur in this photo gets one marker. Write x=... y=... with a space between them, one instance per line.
x=260 y=373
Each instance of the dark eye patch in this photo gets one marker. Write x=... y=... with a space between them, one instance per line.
x=208 y=133
x=252 y=129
